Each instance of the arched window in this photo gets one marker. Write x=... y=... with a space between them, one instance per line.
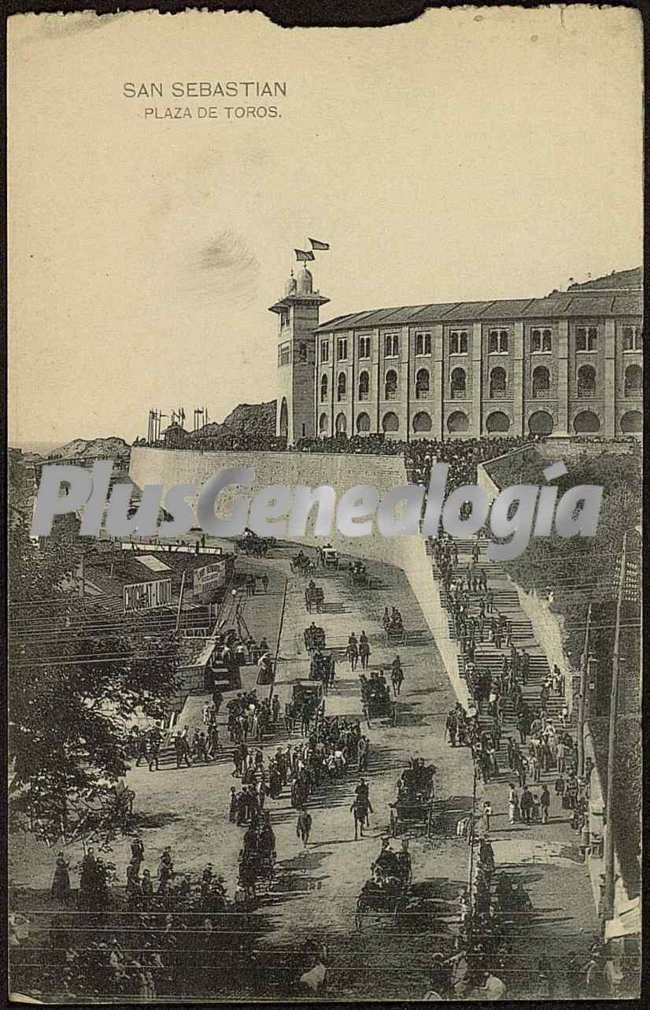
x=363 y=422
x=422 y=384
x=632 y=422
x=322 y=424
x=341 y=424
x=497 y=383
x=390 y=388
x=497 y=421
x=586 y=382
x=341 y=386
x=541 y=382
x=586 y=422
x=633 y=380
x=323 y=389
x=497 y=341
x=284 y=419
x=390 y=422
x=457 y=422
x=422 y=421
x=458 y=384
x=540 y=423
x=364 y=385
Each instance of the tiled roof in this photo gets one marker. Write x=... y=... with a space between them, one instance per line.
x=591 y=299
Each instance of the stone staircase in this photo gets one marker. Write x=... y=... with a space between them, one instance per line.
x=506 y=602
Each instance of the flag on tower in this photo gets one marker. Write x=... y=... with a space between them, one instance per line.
x=315 y=244
x=303 y=256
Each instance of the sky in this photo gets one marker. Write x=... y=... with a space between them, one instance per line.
x=481 y=153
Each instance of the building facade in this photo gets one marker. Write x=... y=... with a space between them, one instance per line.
x=566 y=364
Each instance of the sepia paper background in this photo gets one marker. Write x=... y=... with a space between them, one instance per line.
x=473 y=153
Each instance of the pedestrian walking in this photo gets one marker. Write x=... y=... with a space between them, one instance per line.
x=153 y=758
x=545 y=802
x=534 y=765
x=182 y=750
x=397 y=675
x=352 y=651
x=137 y=851
x=142 y=750
x=513 y=803
x=363 y=747
x=303 y=826
x=526 y=805
x=61 y=889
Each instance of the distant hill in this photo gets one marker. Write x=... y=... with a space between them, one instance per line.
x=80 y=448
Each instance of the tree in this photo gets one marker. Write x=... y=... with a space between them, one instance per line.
x=74 y=685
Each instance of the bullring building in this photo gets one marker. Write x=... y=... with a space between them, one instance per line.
x=566 y=364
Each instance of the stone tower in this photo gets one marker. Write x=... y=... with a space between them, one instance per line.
x=298 y=313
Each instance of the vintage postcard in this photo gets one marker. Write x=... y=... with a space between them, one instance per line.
x=326 y=411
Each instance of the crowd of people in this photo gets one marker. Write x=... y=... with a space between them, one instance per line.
x=139 y=943
x=233 y=652
x=251 y=718
x=461 y=454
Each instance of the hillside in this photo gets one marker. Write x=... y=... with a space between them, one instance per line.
x=257 y=415
x=80 y=448
x=254 y=421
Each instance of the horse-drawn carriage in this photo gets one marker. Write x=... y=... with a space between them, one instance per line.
x=314 y=597
x=375 y=698
x=314 y=637
x=301 y=564
x=359 y=574
x=307 y=706
x=322 y=667
x=257 y=857
x=415 y=798
x=394 y=627
x=329 y=557
x=395 y=634
x=253 y=545
x=385 y=894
